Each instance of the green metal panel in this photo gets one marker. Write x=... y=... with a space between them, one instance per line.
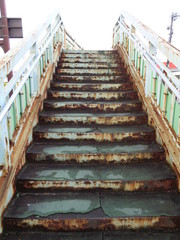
x=11 y=121
x=156 y=86
x=18 y=104
x=168 y=105
x=161 y=95
x=23 y=99
x=176 y=118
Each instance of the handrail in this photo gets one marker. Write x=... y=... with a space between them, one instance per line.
x=144 y=49
x=72 y=41
x=29 y=61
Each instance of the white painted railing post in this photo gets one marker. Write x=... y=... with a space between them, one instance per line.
x=152 y=52
x=4 y=137
x=36 y=72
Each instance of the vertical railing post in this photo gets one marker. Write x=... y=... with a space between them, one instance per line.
x=36 y=72
x=4 y=136
x=152 y=52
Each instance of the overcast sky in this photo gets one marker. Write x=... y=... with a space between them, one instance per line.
x=91 y=22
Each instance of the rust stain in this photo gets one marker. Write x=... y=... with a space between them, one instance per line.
x=133 y=223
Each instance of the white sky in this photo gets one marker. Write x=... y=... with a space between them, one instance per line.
x=91 y=22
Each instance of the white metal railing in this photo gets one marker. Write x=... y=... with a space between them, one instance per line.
x=29 y=62
x=145 y=51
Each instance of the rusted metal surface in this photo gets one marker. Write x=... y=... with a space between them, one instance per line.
x=90 y=72
x=106 y=96
x=94 y=79
x=111 y=153
x=141 y=223
x=93 y=134
x=90 y=61
x=99 y=118
x=80 y=185
x=91 y=87
x=132 y=177
x=99 y=107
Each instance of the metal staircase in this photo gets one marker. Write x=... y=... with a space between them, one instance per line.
x=94 y=169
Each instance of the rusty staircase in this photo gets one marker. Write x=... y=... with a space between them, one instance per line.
x=93 y=170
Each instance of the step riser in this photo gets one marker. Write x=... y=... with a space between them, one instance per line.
x=107 y=65
x=91 y=79
x=90 y=56
x=89 y=185
x=126 y=120
x=140 y=223
x=113 y=96
x=80 y=107
x=95 y=137
x=89 y=52
x=89 y=72
x=94 y=60
x=95 y=158
x=91 y=87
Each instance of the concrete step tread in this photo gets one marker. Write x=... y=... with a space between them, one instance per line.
x=94 y=129
x=94 y=172
x=117 y=235
x=84 y=205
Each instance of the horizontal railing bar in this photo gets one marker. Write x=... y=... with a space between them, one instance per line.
x=9 y=61
x=169 y=84
x=68 y=35
x=10 y=85
x=16 y=92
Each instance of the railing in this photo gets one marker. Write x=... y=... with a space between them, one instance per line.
x=28 y=62
x=145 y=51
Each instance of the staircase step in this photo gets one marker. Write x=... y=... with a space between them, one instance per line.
x=94 y=134
x=91 y=106
x=110 y=119
x=122 y=177
x=91 y=86
x=103 y=153
x=90 y=60
x=106 y=96
x=93 y=211
x=91 y=79
x=107 y=235
x=91 y=65
x=89 y=52
x=87 y=72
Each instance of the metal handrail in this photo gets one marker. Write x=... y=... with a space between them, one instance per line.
x=130 y=34
x=31 y=59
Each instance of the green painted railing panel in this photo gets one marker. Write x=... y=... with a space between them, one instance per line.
x=176 y=118
x=168 y=106
x=156 y=87
x=11 y=121
x=161 y=103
